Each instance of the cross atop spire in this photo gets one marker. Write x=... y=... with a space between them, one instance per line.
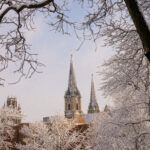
x=93 y=106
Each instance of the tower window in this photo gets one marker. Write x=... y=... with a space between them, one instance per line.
x=77 y=107
x=69 y=107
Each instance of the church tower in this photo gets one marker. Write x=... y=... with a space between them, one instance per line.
x=11 y=105
x=72 y=96
x=93 y=106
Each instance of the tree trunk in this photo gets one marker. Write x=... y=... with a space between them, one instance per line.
x=140 y=24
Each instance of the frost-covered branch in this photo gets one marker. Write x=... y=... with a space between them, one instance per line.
x=17 y=18
x=55 y=135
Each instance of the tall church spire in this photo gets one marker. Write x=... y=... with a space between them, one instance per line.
x=93 y=106
x=72 y=85
x=72 y=96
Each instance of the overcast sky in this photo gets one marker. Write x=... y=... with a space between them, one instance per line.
x=43 y=94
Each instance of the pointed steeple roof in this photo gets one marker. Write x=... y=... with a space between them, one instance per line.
x=93 y=106
x=93 y=95
x=72 y=85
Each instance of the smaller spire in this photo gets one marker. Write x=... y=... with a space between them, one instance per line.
x=93 y=95
x=93 y=106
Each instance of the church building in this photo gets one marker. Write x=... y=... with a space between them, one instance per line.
x=72 y=102
x=73 y=97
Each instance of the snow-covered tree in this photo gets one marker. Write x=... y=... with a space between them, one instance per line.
x=35 y=137
x=7 y=132
x=119 y=132
x=127 y=80
x=63 y=137
x=55 y=135
x=93 y=133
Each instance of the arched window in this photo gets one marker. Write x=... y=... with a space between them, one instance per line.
x=77 y=107
x=69 y=107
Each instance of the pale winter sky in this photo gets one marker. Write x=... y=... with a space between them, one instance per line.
x=43 y=94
